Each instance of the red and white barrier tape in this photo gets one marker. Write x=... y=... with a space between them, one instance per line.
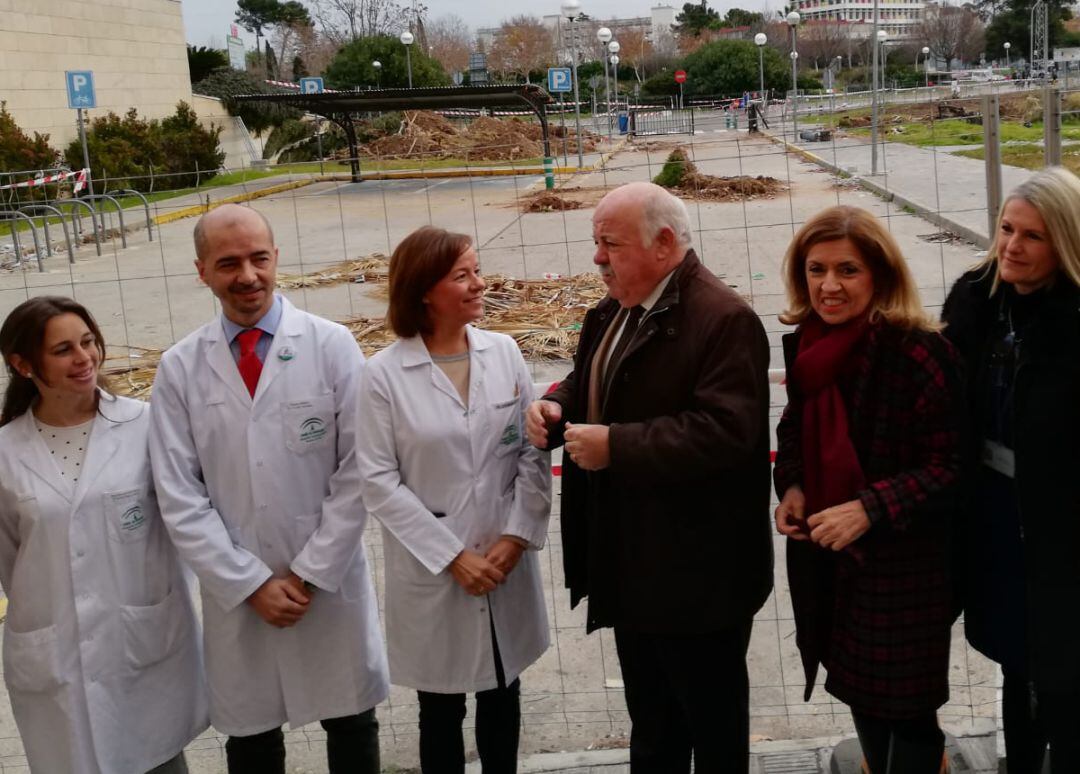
x=79 y=174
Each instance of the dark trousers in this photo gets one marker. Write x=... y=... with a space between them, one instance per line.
x=352 y=747
x=1034 y=720
x=498 y=724
x=688 y=695
x=908 y=746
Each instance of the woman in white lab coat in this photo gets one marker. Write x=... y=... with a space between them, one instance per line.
x=100 y=649
x=463 y=499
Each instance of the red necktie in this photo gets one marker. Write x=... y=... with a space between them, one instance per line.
x=249 y=364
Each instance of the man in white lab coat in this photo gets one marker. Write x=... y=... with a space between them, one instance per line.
x=252 y=444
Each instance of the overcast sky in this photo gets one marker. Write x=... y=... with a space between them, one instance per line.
x=207 y=21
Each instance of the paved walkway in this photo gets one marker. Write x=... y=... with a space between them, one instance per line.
x=945 y=188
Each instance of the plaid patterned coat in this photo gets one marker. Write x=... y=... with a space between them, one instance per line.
x=879 y=619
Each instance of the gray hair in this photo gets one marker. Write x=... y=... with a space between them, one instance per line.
x=659 y=210
x=200 y=230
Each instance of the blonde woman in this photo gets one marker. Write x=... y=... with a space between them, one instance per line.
x=869 y=455
x=1016 y=322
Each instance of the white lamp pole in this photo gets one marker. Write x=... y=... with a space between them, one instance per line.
x=407 y=40
x=793 y=19
x=760 y=40
x=1007 y=47
x=604 y=36
x=926 y=63
x=378 y=70
x=571 y=9
x=883 y=38
x=614 y=47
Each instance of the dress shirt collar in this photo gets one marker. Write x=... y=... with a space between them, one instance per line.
x=268 y=324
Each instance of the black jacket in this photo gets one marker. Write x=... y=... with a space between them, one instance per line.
x=675 y=535
x=1046 y=423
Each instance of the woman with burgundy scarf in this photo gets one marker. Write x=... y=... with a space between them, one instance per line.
x=868 y=462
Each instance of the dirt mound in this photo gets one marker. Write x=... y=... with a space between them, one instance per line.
x=682 y=176
x=424 y=134
x=550 y=203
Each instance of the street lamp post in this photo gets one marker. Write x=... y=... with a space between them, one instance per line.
x=926 y=63
x=793 y=21
x=1007 y=47
x=874 y=92
x=378 y=71
x=760 y=40
x=571 y=9
x=604 y=36
x=614 y=47
x=882 y=38
x=407 y=40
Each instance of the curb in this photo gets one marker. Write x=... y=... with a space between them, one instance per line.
x=199 y=209
x=920 y=209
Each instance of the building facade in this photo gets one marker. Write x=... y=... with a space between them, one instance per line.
x=135 y=48
x=897 y=17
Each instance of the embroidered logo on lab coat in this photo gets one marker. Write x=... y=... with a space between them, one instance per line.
x=132 y=519
x=510 y=435
x=312 y=429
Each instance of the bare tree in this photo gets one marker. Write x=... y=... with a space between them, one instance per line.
x=522 y=45
x=344 y=21
x=951 y=32
x=450 y=41
x=821 y=41
x=636 y=50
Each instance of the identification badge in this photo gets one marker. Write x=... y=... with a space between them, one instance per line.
x=285 y=354
x=999 y=458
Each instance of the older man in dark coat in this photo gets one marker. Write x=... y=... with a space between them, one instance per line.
x=664 y=423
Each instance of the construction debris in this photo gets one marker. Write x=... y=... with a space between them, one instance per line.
x=548 y=202
x=424 y=134
x=544 y=316
x=371 y=268
x=681 y=176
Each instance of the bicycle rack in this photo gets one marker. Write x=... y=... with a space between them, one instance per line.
x=31 y=209
x=13 y=217
x=77 y=222
x=119 y=212
x=146 y=206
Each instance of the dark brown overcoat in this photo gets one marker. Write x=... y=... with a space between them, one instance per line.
x=675 y=535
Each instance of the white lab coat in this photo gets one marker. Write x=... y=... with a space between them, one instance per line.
x=101 y=646
x=251 y=489
x=420 y=452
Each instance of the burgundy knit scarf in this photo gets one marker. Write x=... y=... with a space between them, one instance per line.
x=831 y=470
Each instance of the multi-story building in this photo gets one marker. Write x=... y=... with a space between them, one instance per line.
x=897 y=17
x=135 y=48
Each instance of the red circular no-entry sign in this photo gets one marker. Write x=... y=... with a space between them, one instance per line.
x=680 y=76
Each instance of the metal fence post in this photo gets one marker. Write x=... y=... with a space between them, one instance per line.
x=991 y=119
x=1052 y=126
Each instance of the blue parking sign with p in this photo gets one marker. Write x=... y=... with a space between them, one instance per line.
x=559 y=79
x=311 y=85
x=80 y=89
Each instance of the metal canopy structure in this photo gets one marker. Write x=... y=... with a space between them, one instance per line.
x=344 y=107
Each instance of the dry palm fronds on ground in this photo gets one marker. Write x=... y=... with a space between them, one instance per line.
x=544 y=316
x=428 y=135
x=681 y=176
x=371 y=268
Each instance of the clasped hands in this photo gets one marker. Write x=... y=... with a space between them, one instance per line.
x=835 y=528
x=281 y=602
x=587 y=445
x=478 y=574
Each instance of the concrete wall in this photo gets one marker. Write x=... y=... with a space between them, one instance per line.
x=136 y=49
x=235 y=140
